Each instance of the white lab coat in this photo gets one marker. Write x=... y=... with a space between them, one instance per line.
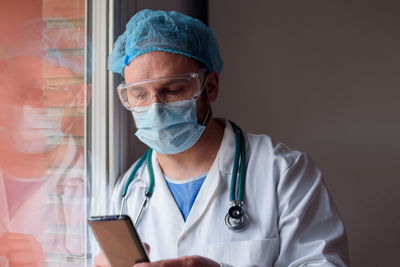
x=293 y=221
x=41 y=209
x=19 y=222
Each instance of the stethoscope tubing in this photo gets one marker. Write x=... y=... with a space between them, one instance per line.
x=150 y=170
x=146 y=156
x=242 y=171
x=240 y=152
x=134 y=171
x=235 y=168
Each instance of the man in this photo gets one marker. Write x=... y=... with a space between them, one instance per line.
x=171 y=66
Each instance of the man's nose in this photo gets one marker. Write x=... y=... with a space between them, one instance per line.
x=155 y=98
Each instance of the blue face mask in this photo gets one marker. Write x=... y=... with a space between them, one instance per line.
x=169 y=128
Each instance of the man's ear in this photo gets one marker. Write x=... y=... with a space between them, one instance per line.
x=212 y=86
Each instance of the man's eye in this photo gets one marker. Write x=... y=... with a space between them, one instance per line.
x=175 y=89
x=140 y=96
x=137 y=93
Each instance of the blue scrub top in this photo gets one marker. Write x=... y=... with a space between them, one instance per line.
x=185 y=192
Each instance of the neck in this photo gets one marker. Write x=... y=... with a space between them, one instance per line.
x=196 y=160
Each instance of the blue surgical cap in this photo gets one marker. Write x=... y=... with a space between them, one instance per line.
x=170 y=32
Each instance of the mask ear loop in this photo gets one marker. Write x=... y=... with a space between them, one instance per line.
x=201 y=91
x=204 y=84
x=206 y=118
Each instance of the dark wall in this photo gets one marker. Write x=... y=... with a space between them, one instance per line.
x=323 y=77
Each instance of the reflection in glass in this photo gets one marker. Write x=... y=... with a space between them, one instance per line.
x=42 y=110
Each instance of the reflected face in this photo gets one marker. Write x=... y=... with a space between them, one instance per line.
x=23 y=83
x=30 y=117
x=22 y=139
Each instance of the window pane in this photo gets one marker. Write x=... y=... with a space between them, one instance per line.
x=42 y=132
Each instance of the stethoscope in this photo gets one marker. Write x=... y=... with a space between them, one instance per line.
x=72 y=184
x=236 y=219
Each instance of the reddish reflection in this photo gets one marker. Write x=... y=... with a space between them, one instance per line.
x=42 y=186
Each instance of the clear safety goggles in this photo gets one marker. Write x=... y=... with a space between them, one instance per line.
x=170 y=89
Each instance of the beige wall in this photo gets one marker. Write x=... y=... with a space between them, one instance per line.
x=323 y=77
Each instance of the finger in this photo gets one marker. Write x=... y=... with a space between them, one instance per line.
x=29 y=244
x=147 y=246
x=164 y=263
x=17 y=245
x=20 y=245
x=100 y=261
x=186 y=261
x=29 y=265
x=15 y=236
x=26 y=258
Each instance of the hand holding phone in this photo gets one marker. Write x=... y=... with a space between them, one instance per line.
x=118 y=240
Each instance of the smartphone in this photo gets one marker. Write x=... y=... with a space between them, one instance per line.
x=118 y=240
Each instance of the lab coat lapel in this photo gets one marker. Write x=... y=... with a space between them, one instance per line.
x=208 y=191
x=162 y=199
x=205 y=196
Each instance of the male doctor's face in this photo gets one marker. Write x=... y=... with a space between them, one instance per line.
x=153 y=65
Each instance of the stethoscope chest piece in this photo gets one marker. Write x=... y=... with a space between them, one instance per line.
x=236 y=219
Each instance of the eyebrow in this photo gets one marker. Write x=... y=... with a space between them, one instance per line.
x=171 y=82
x=161 y=86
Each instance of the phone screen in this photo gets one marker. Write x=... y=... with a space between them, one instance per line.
x=118 y=240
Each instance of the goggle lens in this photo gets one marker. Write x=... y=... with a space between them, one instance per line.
x=164 y=90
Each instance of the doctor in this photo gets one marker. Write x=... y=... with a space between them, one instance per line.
x=171 y=66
